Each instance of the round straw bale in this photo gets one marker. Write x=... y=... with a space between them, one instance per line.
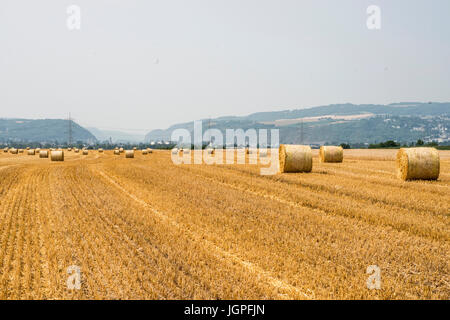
x=14 y=151
x=31 y=152
x=129 y=154
x=144 y=152
x=76 y=150
x=295 y=158
x=37 y=150
x=121 y=150
x=5 y=150
x=418 y=163
x=331 y=154
x=117 y=152
x=20 y=150
x=57 y=155
x=149 y=150
x=69 y=149
x=85 y=152
x=43 y=154
x=134 y=148
x=100 y=150
x=28 y=148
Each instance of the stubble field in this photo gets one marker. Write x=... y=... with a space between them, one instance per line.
x=145 y=228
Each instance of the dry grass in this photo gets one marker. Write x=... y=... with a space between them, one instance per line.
x=149 y=229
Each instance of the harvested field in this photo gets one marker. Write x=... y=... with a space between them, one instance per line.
x=145 y=228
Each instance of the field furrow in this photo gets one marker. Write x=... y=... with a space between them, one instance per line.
x=182 y=192
x=145 y=228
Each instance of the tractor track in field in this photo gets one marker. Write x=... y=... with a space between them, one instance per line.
x=155 y=250
x=145 y=228
x=85 y=201
x=182 y=190
x=259 y=272
x=359 y=215
x=331 y=190
x=12 y=238
x=141 y=252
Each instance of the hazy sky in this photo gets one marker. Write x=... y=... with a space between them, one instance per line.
x=142 y=65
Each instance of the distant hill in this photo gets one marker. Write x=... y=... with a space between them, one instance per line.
x=405 y=122
x=396 y=109
x=116 y=136
x=43 y=130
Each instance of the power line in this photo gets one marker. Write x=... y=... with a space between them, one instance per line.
x=70 y=130
x=209 y=127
